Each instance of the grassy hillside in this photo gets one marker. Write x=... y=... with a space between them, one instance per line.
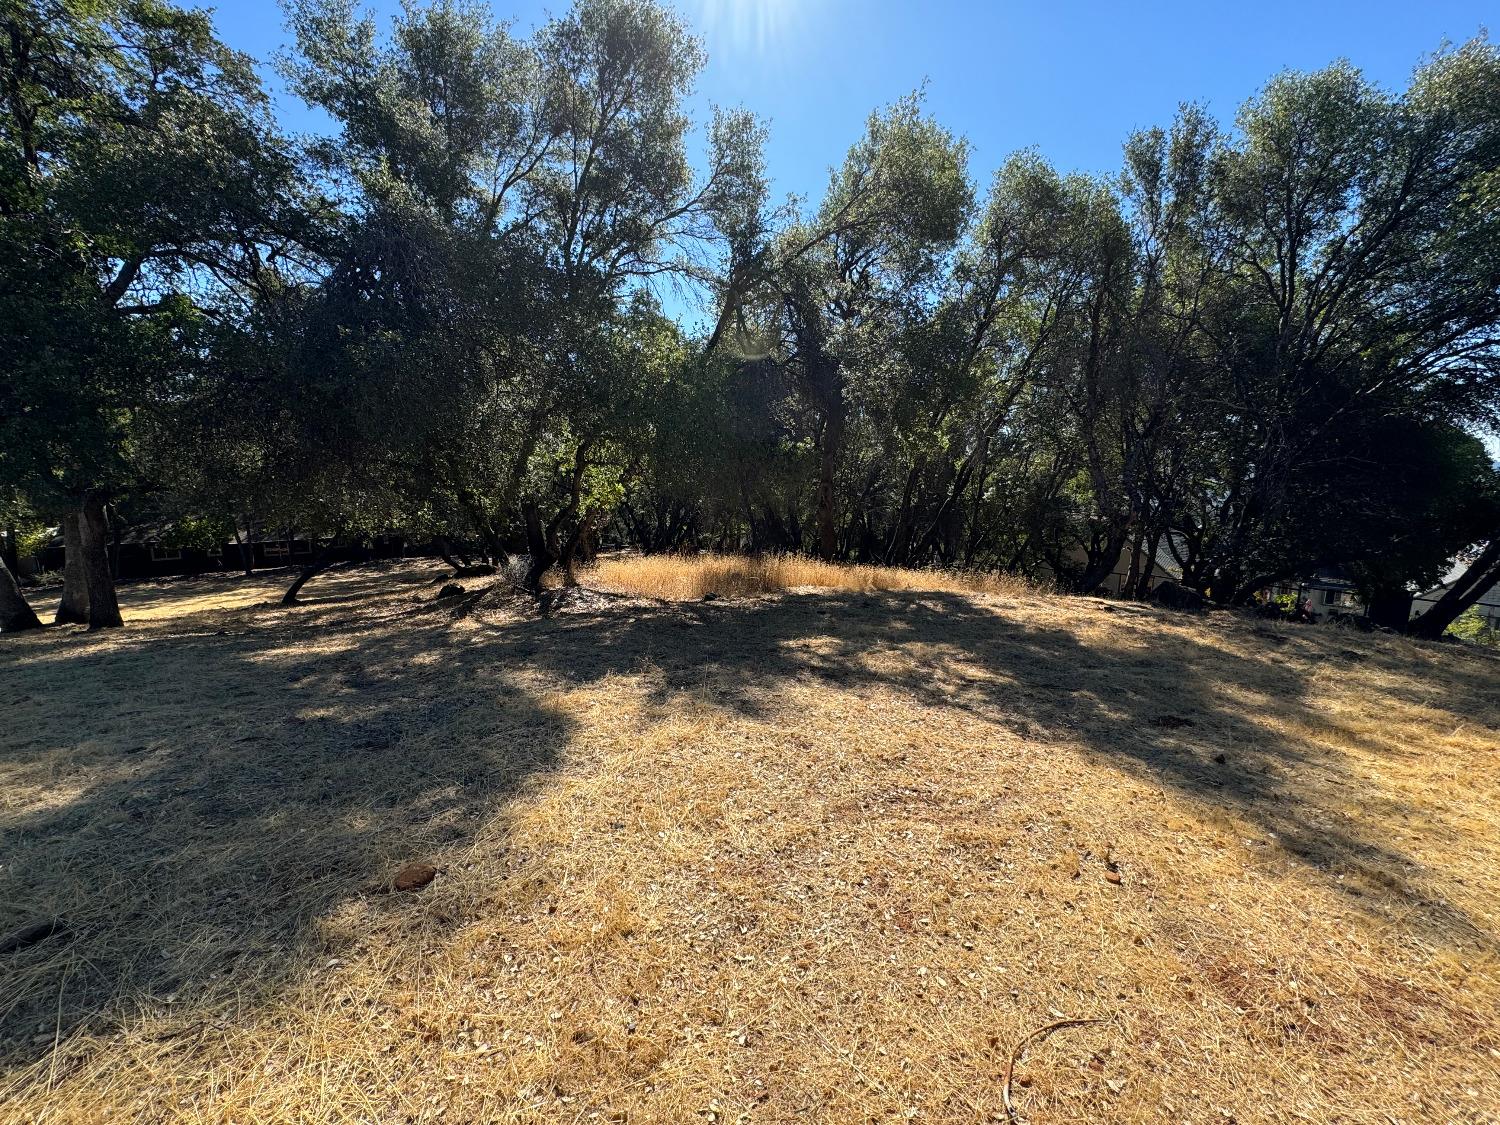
x=812 y=854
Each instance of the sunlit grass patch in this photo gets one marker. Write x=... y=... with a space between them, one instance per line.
x=678 y=577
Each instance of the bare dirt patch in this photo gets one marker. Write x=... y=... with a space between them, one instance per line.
x=822 y=855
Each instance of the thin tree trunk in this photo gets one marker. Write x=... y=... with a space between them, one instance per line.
x=828 y=462
x=74 y=607
x=1132 y=576
x=247 y=552
x=16 y=614
x=12 y=553
x=1148 y=572
x=321 y=562
x=104 y=609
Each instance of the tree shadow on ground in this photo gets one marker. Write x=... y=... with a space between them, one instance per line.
x=193 y=804
x=1213 y=717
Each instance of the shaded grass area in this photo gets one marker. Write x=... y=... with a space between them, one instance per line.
x=821 y=855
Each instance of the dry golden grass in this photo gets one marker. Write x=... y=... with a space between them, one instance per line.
x=173 y=599
x=820 y=856
x=675 y=577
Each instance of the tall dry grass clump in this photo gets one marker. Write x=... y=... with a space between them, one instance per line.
x=679 y=577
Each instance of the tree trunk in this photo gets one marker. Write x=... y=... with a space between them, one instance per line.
x=543 y=552
x=74 y=607
x=104 y=610
x=1468 y=588
x=576 y=549
x=16 y=614
x=11 y=556
x=247 y=551
x=445 y=552
x=1102 y=566
x=828 y=463
x=1148 y=571
x=1133 y=575
x=321 y=562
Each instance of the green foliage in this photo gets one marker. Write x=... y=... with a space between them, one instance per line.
x=200 y=532
x=1474 y=627
x=141 y=183
x=33 y=540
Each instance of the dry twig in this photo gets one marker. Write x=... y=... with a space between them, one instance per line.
x=1021 y=1044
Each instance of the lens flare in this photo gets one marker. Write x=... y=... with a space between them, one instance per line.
x=748 y=25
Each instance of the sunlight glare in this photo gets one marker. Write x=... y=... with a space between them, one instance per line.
x=746 y=24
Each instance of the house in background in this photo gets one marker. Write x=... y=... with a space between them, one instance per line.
x=1164 y=568
x=260 y=547
x=144 y=551
x=1325 y=593
x=156 y=551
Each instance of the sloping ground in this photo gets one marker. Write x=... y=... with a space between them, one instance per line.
x=818 y=856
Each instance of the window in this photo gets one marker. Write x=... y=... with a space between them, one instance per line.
x=165 y=554
x=274 y=550
x=1343 y=599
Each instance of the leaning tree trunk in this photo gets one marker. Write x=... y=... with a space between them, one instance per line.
x=1467 y=589
x=16 y=614
x=104 y=610
x=74 y=607
x=323 y=561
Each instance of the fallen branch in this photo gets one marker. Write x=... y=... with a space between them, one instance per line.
x=1021 y=1044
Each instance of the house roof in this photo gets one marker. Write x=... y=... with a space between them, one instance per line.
x=1165 y=560
x=1490 y=597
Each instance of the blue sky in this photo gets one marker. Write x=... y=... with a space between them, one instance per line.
x=1070 y=78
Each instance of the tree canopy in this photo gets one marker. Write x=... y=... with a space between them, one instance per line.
x=1259 y=349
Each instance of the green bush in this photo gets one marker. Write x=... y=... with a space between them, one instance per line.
x=1472 y=627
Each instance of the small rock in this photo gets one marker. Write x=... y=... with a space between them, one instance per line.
x=711 y=596
x=452 y=590
x=414 y=876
